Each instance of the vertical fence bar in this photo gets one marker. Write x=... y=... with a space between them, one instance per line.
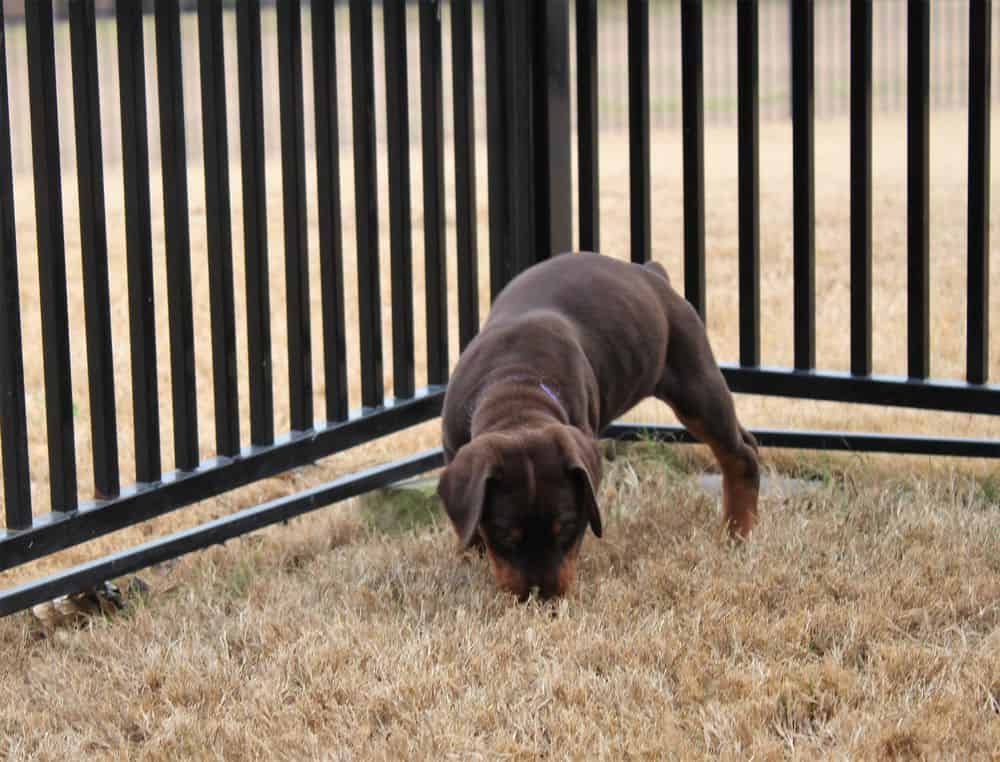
x=465 y=171
x=176 y=233
x=366 y=202
x=139 y=243
x=918 y=187
x=693 y=116
x=496 y=139
x=400 y=241
x=331 y=248
x=218 y=228
x=51 y=254
x=293 y=181
x=255 y=222
x=13 y=422
x=551 y=114
x=94 y=248
x=513 y=175
x=588 y=125
x=527 y=94
x=523 y=185
x=978 y=272
x=861 y=187
x=749 y=182
x=804 y=193
x=638 y=128
x=432 y=114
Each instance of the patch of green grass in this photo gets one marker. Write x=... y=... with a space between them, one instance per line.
x=814 y=469
x=239 y=577
x=989 y=488
x=676 y=458
x=819 y=467
x=401 y=509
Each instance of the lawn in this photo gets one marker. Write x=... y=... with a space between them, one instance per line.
x=862 y=621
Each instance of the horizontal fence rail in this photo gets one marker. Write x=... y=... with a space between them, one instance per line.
x=844 y=441
x=290 y=89
x=215 y=532
x=57 y=531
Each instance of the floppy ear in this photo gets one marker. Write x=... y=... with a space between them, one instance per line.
x=583 y=459
x=462 y=488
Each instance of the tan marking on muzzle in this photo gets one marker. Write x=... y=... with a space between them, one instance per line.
x=507 y=577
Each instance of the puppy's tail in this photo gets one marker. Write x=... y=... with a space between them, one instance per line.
x=657 y=268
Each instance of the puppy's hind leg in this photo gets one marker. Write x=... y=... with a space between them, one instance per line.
x=693 y=386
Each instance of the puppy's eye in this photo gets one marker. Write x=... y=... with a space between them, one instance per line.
x=565 y=531
x=507 y=539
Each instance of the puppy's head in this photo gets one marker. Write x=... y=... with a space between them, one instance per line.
x=530 y=496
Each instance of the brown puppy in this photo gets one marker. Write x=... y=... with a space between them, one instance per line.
x=569 y=346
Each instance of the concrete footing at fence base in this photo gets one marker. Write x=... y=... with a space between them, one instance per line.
x=419 y=494
x=770 y=486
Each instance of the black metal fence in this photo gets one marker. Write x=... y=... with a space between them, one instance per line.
x=948 y=87
x=239 y=458
x=858 y=384
x=831 y=55
x=530 y=189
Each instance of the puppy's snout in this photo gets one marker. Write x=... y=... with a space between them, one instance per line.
x=552 y=585
x=547 y=592
x=524 y=587
x=551 y=582
x=544 y=592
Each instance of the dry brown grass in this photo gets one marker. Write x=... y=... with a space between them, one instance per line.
x=862 y=621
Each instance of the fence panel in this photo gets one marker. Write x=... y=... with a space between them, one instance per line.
x=860 y=385
x=739 y=64
x=25 y=537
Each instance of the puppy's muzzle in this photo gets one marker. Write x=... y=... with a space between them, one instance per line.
x=551 y=583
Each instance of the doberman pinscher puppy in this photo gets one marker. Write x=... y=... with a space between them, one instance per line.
x=569 y=346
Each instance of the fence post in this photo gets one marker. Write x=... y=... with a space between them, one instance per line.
x=527 y=95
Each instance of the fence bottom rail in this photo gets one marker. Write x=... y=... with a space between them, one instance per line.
x=88 y=575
